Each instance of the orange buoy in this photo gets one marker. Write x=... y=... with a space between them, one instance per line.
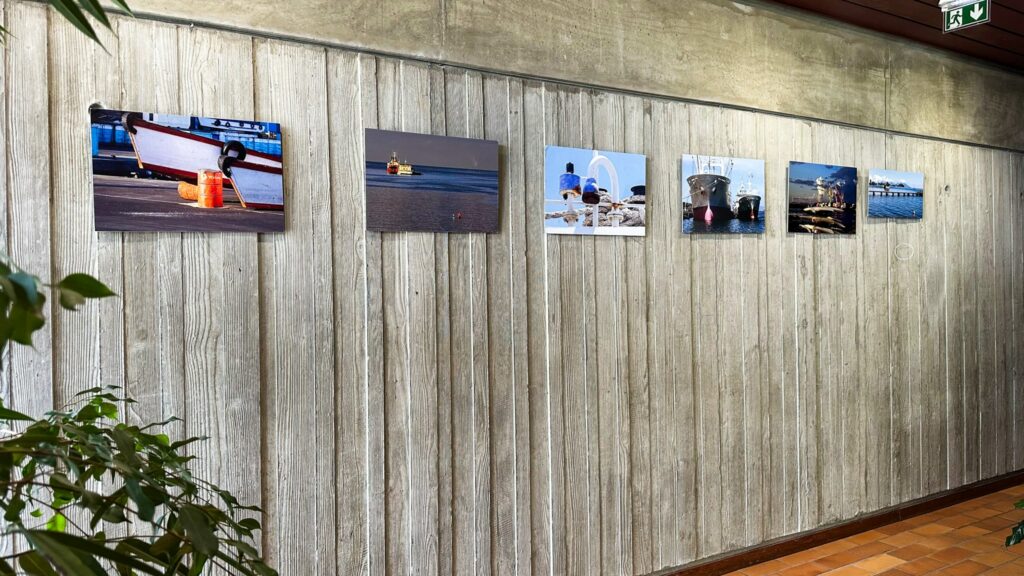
x=211 y=189
x=188 y=191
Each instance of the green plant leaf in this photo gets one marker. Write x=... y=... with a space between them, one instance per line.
x=8 y=414
x=34 y=564
x=198 y=530
x=57 y=523
x=93 y=7
x=62 y=556
x=85 y=284
x=70 y=300
x=78 y=544
x=69 y=10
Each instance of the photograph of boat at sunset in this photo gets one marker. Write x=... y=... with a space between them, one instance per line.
x=171 y=173
x=822 y=199
x=427 y=183
x=579 y=183
x=722 y=195
x=895 y=194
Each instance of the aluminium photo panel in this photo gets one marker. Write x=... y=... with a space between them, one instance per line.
x=895 y=194
x=822 y=199
x=722 y=195
x=428 y=183
x=173 y=173
x=579 y=183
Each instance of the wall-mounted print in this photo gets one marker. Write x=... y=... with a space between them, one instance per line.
x=171 y=173
x=822 y=199
x=722 y=195
x=894 y=194
x=580 y=183
x=425 y=183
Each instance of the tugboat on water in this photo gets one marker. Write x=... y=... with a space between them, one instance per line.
x=396 y=168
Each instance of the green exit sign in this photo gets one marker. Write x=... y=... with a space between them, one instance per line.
x=965 y=16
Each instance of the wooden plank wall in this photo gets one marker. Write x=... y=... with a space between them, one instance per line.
x=517 y=403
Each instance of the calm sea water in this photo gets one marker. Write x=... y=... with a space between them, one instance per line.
x=434 y=179
x=895 y=206
x=734 y=226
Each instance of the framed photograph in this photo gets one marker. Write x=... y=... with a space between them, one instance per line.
x=822 y=199
x=580 y=184
x=895 y=194
x=171 y=173
x=723 y=195
x=426 y=183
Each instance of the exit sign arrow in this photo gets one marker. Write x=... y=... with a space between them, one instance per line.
x=965 y=15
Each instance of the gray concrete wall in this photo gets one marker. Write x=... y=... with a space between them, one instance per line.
x=749 y=54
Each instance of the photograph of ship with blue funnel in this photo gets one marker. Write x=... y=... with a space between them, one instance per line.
x=581 y=183
x=895 y=194
x=822 y=199
x=722 y=195
x=173 y=173
x=428 y=183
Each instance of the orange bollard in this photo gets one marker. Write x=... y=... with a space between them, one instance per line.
x=188 y=191
x=211 y=189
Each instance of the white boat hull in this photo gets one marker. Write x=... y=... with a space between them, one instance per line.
x=181 y=154
x=257 y=186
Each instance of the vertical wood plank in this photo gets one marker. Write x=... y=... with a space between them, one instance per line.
x=220 y=277
x=28 y=194
x=345 y=117
x=87 y=75
x=606 y=280
x=537 y=343
x=153 y=292
x=297 y=317
x=499 y=320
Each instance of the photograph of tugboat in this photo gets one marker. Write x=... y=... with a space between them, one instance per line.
x=895 y=194
x=822 y=199
x=579 y=183
x=722 y=195
x=427 y=183
x=172 y=173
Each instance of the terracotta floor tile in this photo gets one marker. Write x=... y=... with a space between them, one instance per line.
x=911 y=552
x=854 y=555
x=940 y=542
x=980 y=513
x=902 y=539
x=895 y=572
x=1004 y=570
x=952 y=555
x=965 y=568
x=982 y=545
x=811 y=569
x=922 y=566
x=849 y=571
x=879 y=563
x=932 y=529
x=956 y=521
x=970 y=531
x=994 y=558
x=865 y=537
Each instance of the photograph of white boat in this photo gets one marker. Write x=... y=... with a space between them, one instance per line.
x=722 y=195
x=171 y=173
x=580 y=183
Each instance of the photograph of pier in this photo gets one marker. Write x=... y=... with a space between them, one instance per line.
x=722 y=195
x=426 y=183
x=822 y=199
x=579 y=183
x=895 y=194
x=171 y=173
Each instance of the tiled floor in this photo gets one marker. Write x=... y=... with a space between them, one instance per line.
x=962 y=540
